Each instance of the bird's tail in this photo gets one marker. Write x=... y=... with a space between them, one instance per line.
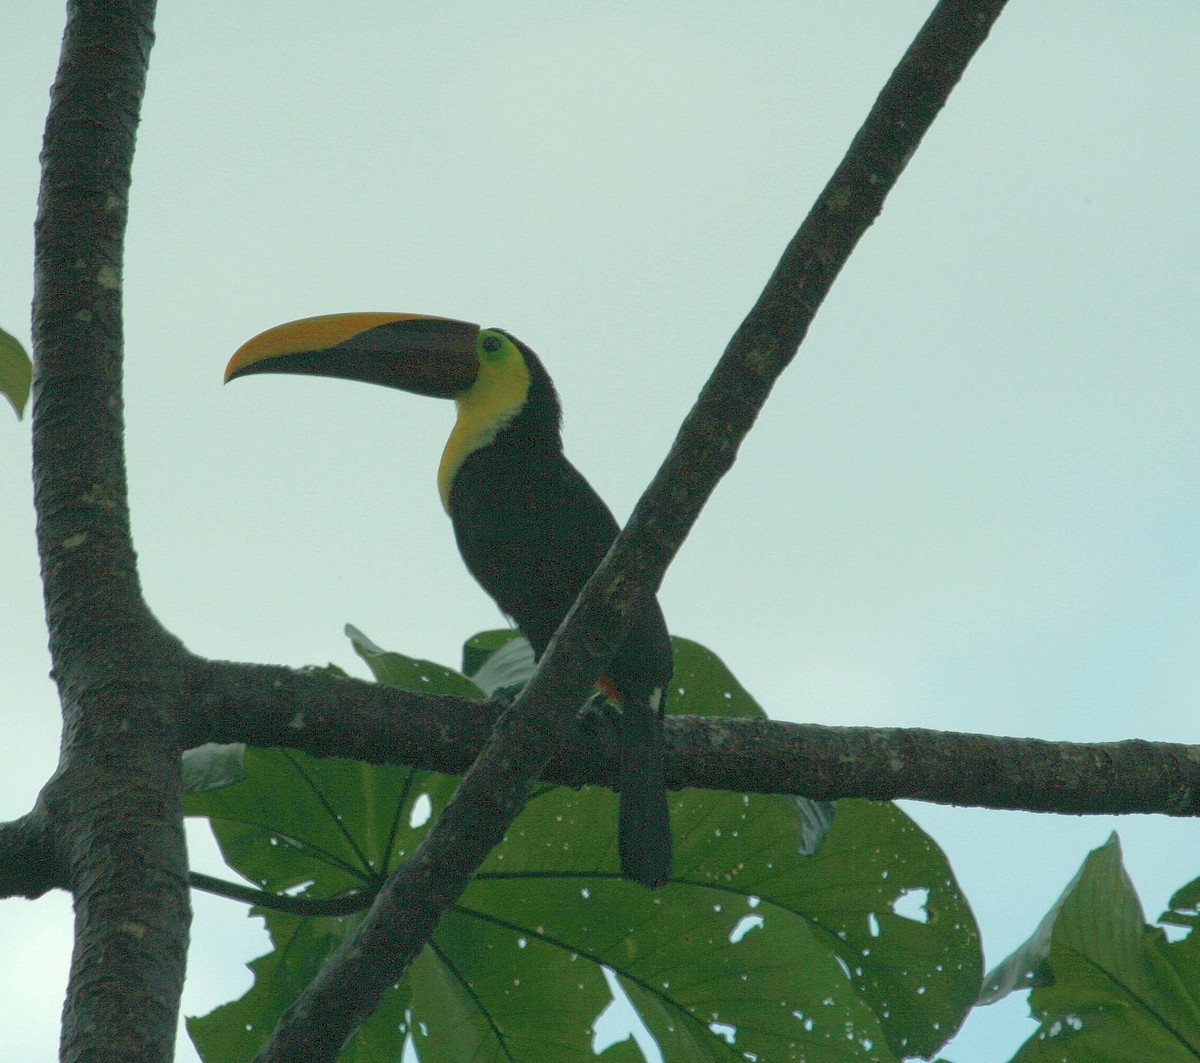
x=644 y=834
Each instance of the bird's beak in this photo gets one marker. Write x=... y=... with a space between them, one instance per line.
x=433 y=356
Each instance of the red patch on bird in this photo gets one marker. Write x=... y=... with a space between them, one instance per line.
x=609 y=689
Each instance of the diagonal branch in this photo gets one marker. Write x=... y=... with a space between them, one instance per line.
x=493 y=792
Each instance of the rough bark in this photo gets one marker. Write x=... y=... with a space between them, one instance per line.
x=113 y=811
x=266 y=705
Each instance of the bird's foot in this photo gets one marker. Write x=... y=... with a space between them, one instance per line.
x=597 y=714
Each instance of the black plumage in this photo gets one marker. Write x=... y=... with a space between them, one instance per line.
x=532 y=530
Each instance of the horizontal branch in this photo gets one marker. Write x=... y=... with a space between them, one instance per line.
x=892 y=763
x=29 y=865
x=330 y=716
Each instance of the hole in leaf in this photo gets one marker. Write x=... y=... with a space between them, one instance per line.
x=744 y=926
x=723 y=1030
x=911 y=905
x=422 y=809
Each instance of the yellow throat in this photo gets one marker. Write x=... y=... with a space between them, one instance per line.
x=486 y=407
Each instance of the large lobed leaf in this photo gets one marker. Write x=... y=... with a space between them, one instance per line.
x=1107 y=987
x=866 y=951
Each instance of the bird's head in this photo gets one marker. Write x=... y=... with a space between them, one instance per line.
x=496 y=381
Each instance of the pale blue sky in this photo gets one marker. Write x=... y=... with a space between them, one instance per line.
x=971 y=503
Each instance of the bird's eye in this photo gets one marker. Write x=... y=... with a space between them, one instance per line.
x=491 y=344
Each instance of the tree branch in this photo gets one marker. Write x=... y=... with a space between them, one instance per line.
x=328 y=716
x=114 y=808
x=29 y=865
x=332 y=716
x=890 y=764
x=493 y=792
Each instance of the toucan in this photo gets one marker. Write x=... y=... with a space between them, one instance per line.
x=530 y=528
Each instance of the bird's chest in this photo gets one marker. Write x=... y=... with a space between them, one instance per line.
x=531 y=537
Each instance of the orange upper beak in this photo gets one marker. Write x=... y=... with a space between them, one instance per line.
x=433 y=356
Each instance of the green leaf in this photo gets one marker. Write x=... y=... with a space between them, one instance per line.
x=16 y=372
x=623 y=1051
x=1115 y=988
x=1184 y=908
x=212 y=766
x=236 y=1031
x=481 y=991
x=509 y=666
x=338 y=824
x=409 y=673
x=702 y=686
x=479 y=648
x=1029 y=965
x=752 y=948
x=700 y=954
